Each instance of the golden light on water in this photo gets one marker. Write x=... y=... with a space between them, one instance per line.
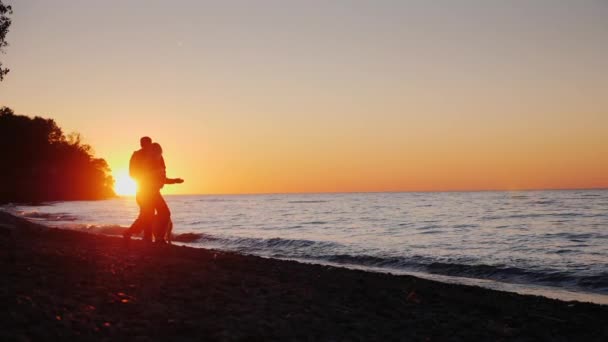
x=124 y=185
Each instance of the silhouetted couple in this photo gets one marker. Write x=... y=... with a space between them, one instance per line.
x=147 y=167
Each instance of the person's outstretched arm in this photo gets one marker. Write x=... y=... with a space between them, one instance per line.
x=164 y=174
x=173 y=181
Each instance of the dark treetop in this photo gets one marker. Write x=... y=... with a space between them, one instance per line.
x=41 y=163
x=5 y=23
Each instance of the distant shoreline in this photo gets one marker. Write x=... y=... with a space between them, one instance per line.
x=67 y=284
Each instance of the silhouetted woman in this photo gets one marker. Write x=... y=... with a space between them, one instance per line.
x=159 y=178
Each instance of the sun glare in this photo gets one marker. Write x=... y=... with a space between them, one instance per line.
x=124 y=185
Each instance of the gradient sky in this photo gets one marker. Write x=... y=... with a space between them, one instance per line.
x=316 y=96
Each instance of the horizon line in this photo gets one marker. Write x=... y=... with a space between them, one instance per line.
x=379 y=192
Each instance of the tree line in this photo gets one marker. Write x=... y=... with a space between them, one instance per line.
x=41 y=163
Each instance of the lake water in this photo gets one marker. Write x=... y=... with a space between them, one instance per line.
x=553 y=243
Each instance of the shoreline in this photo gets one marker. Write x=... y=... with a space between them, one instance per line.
x=70 y=284
x=549 y=292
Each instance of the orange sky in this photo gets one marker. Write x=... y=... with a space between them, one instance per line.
x=316 y=97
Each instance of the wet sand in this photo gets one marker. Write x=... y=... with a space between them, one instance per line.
x=61 y=284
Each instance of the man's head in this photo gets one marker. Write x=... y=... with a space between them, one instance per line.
x=145 y=142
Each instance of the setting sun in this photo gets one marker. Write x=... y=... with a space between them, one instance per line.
x=124 y=185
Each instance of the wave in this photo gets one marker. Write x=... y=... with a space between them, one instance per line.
x=323 y=251
x=214 y=200
x=251 y=244
x=598 y=282
x=116 y=230
x=48 y=216
x=110 y=229
x=244 y=244
x=192 y=237
x=550 y=277
x=432 y=226
x=523 y=216
x=276 y=244
x=466 y=226
x=311 y=201
x=427 y=232
x=544 y=202
x=577 y=237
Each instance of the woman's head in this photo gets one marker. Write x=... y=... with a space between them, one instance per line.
x=156 y=149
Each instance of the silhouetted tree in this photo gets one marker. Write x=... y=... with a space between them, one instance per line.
x=41 y=163
x=5 y=23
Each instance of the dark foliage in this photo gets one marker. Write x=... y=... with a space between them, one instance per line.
x=5 y=23
x=40 y=163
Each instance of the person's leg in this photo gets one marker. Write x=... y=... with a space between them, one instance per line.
x=163 y=215
x=137 y=225
x=144 y=219
x=147 y=213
